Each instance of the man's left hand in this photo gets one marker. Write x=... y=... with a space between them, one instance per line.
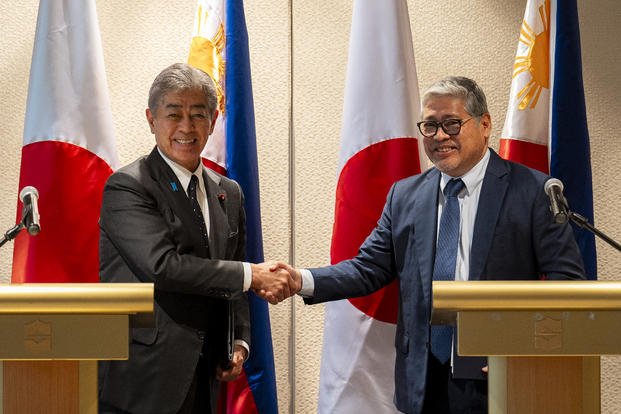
x=232 y=373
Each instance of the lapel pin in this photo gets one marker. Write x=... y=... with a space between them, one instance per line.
x=173 y=185
x=222 y=196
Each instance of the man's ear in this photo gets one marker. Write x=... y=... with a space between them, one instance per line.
x=213 y=121
x=486 y=124
x=150 y=120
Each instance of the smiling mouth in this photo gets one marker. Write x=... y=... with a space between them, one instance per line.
x=185 y=141
x=444 y=149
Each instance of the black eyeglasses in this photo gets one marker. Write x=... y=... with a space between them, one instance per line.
x=429 y=129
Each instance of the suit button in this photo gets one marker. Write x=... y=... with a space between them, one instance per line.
x=201 y=335
x=226 y=295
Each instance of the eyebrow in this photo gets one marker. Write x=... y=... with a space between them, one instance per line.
x=447 y=116
x=177 y=106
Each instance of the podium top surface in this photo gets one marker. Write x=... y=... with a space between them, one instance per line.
x=76 y=298
x=455 y=296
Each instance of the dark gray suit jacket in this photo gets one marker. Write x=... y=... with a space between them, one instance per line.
x=148 y=233
x=514 y=238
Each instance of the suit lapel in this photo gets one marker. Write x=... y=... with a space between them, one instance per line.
x=425 y=221
x=493 y=189
x=218 y=222
x=175 y=195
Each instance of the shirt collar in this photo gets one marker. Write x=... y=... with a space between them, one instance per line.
x=473 y=178
x=183 y=174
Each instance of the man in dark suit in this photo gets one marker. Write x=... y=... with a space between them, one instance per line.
x=167 y=220
x=502 y=230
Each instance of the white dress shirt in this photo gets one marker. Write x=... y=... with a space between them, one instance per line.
x=468 y=203
x=184 y=176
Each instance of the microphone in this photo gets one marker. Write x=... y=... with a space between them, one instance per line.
x=30 y=216
x=558 y=205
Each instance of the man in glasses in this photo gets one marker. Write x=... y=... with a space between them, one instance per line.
x=474 y=216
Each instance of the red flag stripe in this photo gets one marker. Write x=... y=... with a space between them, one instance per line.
x=527 y=153
x=70 y=182
x=214 y=166
x=236 y=397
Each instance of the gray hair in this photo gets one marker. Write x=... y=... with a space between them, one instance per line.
x=181 y=77
x=459 y=87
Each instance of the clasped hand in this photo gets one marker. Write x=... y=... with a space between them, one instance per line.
x=275 y=281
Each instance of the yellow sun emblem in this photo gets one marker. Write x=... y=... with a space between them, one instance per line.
x=536 y=60
x=207 y=54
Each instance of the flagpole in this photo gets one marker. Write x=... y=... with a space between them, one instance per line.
x=292 y=304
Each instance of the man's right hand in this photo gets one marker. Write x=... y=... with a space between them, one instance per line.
x=273 y=282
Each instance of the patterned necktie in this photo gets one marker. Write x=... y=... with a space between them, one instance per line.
x=445 y=262
x=198 y=213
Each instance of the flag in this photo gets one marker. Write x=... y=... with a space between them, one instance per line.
x=379 y=146
x=545 y=126
x=220 y=48
x=69 y=149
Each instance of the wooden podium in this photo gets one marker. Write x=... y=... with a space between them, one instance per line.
x=51 y=336
x=543 y=339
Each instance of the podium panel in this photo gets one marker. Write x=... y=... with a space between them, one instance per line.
x=51 y=336
x=543 y=339
x=539 y=333
x=41 y=387
x=568 y=385
x=67 y=337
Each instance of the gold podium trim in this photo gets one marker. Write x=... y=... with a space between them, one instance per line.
x=82 y=298
x=526 y=295
x=452 y=297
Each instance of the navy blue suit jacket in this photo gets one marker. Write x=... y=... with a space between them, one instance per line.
x=514 y=238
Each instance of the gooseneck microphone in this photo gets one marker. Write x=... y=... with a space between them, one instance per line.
x=561 y=212
x=30 y=216
x=558 y=205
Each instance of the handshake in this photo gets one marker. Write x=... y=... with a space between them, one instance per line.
x=275 y=281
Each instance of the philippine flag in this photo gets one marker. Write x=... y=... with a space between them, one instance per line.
x=379 y=146
x=69 y=148
x=545 y=126
x=220 y=48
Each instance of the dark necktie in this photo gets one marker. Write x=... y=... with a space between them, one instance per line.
x=198 y=213
x=445 y=262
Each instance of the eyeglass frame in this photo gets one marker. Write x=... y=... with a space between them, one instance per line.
x=439 y=125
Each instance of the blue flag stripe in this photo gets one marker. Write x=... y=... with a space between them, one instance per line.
x=242 y=166
x=570 y=159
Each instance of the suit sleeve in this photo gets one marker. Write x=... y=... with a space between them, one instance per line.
x=372 y=269
x=138 y=231
x=240 y=305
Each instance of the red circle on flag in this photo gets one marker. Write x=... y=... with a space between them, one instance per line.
x=360 y=197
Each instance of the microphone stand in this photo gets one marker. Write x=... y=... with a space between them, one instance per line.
x=582 y=222
x=14 y=231
x=11 y=233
